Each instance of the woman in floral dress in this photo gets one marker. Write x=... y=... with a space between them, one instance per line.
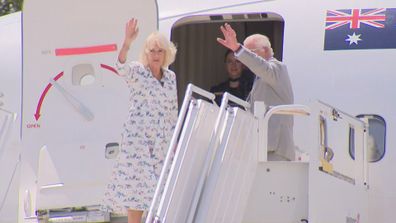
x=147 y=132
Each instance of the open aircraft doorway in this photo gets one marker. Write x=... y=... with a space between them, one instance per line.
x=200 y=59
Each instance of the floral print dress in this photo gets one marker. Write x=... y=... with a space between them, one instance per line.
x=145 y=138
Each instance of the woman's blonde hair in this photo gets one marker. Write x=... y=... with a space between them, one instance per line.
x=161 y=41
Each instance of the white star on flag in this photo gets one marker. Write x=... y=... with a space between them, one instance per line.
x=353 y=38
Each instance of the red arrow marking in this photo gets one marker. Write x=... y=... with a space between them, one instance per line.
x=86 y=50
x=107 y=67
x=48 y=87
x=40 y=103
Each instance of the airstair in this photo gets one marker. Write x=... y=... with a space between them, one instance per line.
x=217 y=170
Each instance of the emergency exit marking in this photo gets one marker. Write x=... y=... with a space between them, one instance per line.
x=33 y=126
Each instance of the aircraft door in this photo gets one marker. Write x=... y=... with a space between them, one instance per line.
x=338 y=189
x=74 y=102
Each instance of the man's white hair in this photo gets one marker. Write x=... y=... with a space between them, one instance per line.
x=259 y=41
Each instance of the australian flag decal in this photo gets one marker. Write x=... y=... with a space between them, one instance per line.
x=348 y=29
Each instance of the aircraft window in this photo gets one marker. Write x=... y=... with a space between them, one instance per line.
x=376 y=138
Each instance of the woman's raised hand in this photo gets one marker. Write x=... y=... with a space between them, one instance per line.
x=131 y=32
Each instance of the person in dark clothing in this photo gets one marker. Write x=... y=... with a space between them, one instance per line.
x=240 y=80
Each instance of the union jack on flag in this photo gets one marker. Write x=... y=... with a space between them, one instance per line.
x=354 y=17
x=360 y=29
